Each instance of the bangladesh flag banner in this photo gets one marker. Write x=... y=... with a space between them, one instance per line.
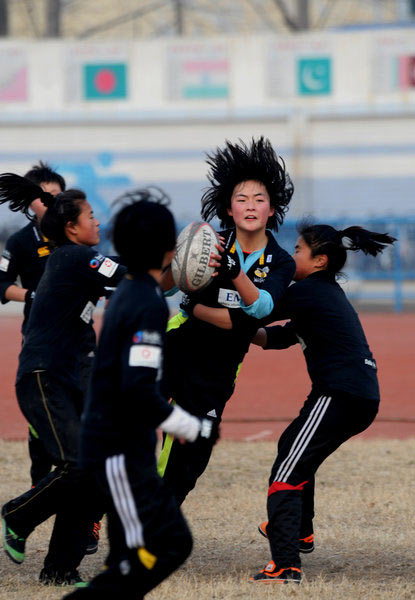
x=105 y=81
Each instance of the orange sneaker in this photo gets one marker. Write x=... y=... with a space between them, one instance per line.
x=306 y=544
x=273 y=574
x=262 y=528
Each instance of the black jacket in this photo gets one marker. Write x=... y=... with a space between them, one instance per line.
x=205 y=353
x=124 y=404
x=324 y=322
x=25 y=255
x=74 y=279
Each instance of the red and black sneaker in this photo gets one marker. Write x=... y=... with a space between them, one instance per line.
x=306 y=544
x=262 y=528
x=273 y=574
x=93 y=539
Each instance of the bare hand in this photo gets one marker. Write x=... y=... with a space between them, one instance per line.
x=216 y=258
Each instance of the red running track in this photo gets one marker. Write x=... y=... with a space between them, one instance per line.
x=272 y=385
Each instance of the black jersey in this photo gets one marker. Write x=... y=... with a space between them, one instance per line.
x=25 y=255
x=74 y=279
x=201 y=348
x=324 y=322
x=124 y=404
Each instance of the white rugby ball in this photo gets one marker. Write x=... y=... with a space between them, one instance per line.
x=190 y=265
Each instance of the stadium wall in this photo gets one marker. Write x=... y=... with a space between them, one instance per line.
x=339 y=107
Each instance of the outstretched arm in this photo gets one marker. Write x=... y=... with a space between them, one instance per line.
x=215 y=316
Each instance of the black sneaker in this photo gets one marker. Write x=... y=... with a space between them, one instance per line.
x=273 y=574
x=93 y=539
x=262 y=528
x=13 y=544
x=306 y=544
x=55 y=578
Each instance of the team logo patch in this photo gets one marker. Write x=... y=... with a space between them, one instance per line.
x=108 y=267
x=86 y=314
x=229 y=298
x=43 y=251
x=138 y=337
x=370 y=362
x=4 y=263
x=261 y=273
x=147 y=337
x=125 y=567
x=269 y=258
x=93 y=263
x=142 y=355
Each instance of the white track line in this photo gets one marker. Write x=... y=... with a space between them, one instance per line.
x=258 y=436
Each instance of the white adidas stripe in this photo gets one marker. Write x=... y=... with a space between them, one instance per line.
x=124 y=501
x=302 y=439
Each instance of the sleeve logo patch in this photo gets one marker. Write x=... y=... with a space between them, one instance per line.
x=86 y=314
x=229 y=298
x=95 y=262
x=4 y=264
x=108 y=267
x=147 y=337
x=145 y=356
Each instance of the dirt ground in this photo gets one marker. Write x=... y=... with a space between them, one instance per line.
x=364 y=528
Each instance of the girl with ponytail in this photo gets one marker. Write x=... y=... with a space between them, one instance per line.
x=22 y=264
x=48 y=383
x=61 y=209
x=344 y=397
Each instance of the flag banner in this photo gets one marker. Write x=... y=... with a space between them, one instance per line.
x=296 y=67
x=96 y=72
x=393 y=65
x=105 y=81
x=13 y=75
x=314 y=77
x=197 y=72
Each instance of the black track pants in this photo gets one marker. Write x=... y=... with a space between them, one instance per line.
x=324 y=423
x=41 y=463
x=148 y=535
x=54 y=413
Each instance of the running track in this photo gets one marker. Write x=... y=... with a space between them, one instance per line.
x=272 y=385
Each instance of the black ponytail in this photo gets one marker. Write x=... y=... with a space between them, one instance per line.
x=325 y=239
x=20 y=192
x=64 y=208
x=370 y=242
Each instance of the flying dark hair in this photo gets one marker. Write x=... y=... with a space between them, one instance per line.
x=325 y=239
x=63 y=208
x=43 y=173
x=236 y=163
x=143 y=229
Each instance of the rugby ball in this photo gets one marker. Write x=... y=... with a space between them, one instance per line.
x=190 y=265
